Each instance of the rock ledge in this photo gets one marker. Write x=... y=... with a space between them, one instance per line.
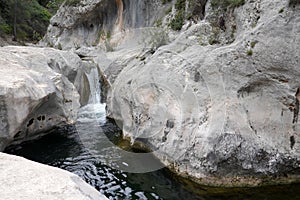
x=25 y=179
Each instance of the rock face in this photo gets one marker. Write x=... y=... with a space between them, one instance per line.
x=220 y=102
x=37 y=91
x=93 y=21
x=24 y=179
x=221 y=114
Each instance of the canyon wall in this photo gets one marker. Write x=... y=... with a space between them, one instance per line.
x=216 y=100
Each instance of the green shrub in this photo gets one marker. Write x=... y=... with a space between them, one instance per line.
x=180 y=5
x=252 y=44
x=53 y=5
x=177 y=23
x=108 y=35
x=236 y=3
x=32 y=19
x=158 y=23
x=227 y=3
x=72 y=2
x=5 y=28
x=36 y=23
x=59 y=46
x=250 y=52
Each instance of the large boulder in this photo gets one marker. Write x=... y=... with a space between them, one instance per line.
x=26 y=180
x=223 y=110
x=37 y=91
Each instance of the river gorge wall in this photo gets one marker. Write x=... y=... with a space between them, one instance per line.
x=217 y=101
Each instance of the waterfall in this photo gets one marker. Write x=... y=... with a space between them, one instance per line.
x=94 y=111
x=94 y=83
x=95 y=133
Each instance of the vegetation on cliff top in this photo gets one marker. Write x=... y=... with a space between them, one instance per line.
x=227 y=3
x=26 y=20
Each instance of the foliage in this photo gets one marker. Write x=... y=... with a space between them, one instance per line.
x=250 y=52
x=72 y=2
x=59 y=46
x=177 y=23
x=226 y=3
x=180 y=5
x=158 y=23
x=183 y=12
x=52 y=5
x=108 y=35
x=252 y=44
x=26 y=19
x=5 y=28
x=236 y=3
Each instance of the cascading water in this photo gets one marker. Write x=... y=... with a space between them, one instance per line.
x=94 y=82
x=94 y=111
x=92 y=128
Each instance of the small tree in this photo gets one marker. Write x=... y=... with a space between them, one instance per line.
x=26 y=19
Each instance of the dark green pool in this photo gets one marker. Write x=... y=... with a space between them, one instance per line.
x=63 y=149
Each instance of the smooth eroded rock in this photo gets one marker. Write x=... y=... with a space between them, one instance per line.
x=225 y=113
x=41 y=88
x=26 y=180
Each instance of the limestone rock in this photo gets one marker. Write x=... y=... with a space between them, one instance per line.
x=24 y=179
x=227 y=110
x=91 y=22
x=39 y=91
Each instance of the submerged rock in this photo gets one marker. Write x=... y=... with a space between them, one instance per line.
x=24 y=179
